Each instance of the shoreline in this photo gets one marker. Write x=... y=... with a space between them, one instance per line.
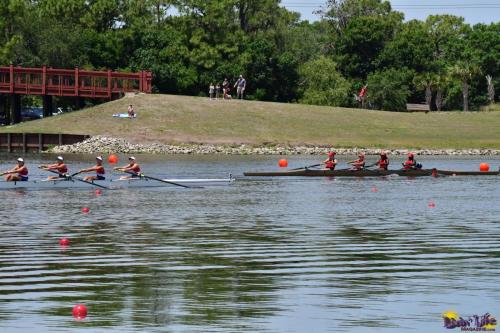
x=108 y=145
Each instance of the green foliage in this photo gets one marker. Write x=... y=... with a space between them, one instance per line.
x=189 y=43
x=322 y=84
x=389 y=89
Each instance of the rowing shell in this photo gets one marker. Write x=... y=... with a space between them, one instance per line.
x=369 y=173
x=112 y=184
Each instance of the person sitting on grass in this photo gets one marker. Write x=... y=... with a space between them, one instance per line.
x=131 y=112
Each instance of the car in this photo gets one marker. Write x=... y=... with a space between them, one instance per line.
x=31 y=113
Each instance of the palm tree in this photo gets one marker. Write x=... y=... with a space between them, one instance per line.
x=441 y=81
x=491 y=89
x=425 y=81
x=464 y=71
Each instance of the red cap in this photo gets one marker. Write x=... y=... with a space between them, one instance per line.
x=410 y=154
x=331 y=154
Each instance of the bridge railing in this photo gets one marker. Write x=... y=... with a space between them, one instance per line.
x=71 y=82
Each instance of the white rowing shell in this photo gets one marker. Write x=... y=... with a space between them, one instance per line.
x=113 y=184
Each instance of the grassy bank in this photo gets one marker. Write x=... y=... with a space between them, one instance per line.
x=181 y=119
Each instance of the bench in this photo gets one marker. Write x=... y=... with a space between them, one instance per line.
x=417 y=108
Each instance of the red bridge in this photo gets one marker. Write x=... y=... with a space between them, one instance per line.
x=49 y=82
x=71 y=82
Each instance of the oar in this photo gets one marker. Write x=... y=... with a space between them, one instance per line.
x=306 y=167
x=158 y=179
x=70 y=177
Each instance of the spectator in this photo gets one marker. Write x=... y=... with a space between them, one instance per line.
x=362 y=96
x=211 y=91
x=130 y=111
x=225 y=88
x=217 y=91
x=240 y=85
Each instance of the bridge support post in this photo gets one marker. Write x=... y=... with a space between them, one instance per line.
x=4 y=109
x=15 y=108
x=48 y=106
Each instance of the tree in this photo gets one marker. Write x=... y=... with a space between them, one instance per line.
x=322 y=84
x=361 y=29
x=389 y=89
x=491 y=89
x=464 y=71
x=440 y=83
x=425 y=81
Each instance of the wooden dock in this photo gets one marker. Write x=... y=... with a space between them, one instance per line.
x=36 y=142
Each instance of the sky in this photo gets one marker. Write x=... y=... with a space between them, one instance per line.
x=474 y=11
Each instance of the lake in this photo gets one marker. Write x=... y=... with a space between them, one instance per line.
x=280 y=255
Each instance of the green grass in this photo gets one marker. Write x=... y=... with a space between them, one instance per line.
x=181 y=119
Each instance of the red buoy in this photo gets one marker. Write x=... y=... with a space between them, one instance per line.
x=484 y=167
x=374 y=189
x=85 y=210
x=64 y=242
x=432 y=204
x=283 y=163
x=80 y=311
x=98 y=192
x=113 y=159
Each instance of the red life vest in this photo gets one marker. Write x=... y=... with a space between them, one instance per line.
x=383 y=164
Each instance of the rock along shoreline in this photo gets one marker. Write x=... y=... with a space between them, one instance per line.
x=107 y=145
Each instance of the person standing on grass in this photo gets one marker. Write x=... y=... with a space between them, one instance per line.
x=211 y=91
x=225 y=88
x=240 y=86
x=217 y=91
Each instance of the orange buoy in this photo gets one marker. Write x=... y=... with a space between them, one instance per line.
x=64 y=242
x=283 y=163
x=113 y=159
x=79 y=311
x=484 y=167
x=85 y=210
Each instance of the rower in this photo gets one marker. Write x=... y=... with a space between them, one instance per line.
x=17 y=173
x=99 y=170
x=411 y=164
x=383 y=163
x=330 y=163
x=58 y=167
x=358 y=164
x=132 y=167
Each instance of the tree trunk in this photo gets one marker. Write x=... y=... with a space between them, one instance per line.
x=491 y=89
x=439 y=99
x=465 y=92
x=428 y=96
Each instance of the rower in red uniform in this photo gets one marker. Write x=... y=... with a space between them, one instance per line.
x=410 y=163
x=330 y=163
x=132 y=167
x=358 y=164
x=58 y=167
x=17 y=173
x=383 y=163
x=99 y=170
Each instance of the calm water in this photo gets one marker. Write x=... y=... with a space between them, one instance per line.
x=300 y=255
